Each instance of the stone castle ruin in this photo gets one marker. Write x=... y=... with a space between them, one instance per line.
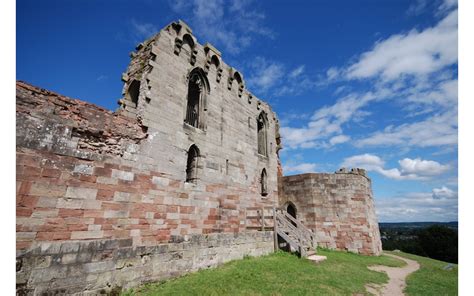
x=185 y=175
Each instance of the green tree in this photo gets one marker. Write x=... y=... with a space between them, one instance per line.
x=439 y=242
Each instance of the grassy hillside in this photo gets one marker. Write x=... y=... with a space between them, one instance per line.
x=279 y=274
x=284 y=274
x=431 y=278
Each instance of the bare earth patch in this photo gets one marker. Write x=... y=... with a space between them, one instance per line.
x=397 y=276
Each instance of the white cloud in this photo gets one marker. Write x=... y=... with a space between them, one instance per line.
x=417 y=207
x=436 y=130
x=232 y=27
x=422 y=167
x=142 y=31
x=413 y=53
x=410 y=169
x=300 y=168
x=332 y=73
x=296 y=72
x=417 y=7
x=443 y=192
x=102 y=77
x=367 y=161
x=445 y=94
x=327 y=122
x=339 y=139
x=448 y=5
x=292 y=81
x=422 y=90
x=265 y=74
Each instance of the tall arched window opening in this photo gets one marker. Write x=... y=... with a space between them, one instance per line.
x=262 y=134
x=263 y=183
x=198 y=88
x=192 y=164
x=133 y=91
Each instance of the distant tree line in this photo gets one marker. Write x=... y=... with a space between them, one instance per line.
x=436 y=241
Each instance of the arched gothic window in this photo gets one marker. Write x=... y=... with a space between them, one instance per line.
x=192 y=164
x=197 y=90
x=263 y=183
x=262 y=134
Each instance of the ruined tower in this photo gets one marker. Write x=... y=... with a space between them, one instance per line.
x=161 y=187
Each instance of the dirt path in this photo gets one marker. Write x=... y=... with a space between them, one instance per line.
x=396 y=275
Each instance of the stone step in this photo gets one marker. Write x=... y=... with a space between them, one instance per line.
x=310 y=253
x=316 y=258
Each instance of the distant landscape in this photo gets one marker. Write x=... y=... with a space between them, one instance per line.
x=437 y=240
x=453 y=225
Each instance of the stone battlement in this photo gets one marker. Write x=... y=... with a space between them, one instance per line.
x=354 y=171
x=182 y=43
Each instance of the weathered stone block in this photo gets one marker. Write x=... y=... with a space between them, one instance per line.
x=48 y=190
x=81 y=193
x=160 y=181
x=87 y=234
x=83 y=169
x=128 y=176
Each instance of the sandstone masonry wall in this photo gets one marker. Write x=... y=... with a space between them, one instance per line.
x=99 y=267
x=95 y=188
x=339 y=208
x=105 y=199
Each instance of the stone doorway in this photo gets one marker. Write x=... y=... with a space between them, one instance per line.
x=291 y=209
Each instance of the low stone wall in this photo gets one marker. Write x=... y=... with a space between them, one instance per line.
x=104 y=266
x=339 y=208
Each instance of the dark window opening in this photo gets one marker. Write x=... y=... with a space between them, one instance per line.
x=194 y=98
x=192 y=164
x=188 y=44
x=134 y=91
x=215 y=61
x=262 y=135
x=263 y=183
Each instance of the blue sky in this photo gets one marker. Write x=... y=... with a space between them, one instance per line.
x=369 y=84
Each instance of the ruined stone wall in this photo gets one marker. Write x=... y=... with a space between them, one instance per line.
x=339 y=208
x=101 y=196
x=227 y=139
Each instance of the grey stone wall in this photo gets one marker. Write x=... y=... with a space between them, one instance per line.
x=228 y=142
x=105 y=266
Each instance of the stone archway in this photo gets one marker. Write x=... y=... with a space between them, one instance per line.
x=291 y=209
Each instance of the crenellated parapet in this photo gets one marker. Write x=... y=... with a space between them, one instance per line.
x=235 y=75
x=184 y=37
x=353 y=171
x=137 y=86
x=213 y=58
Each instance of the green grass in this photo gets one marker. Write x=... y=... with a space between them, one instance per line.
x=278 y=274
x=430 y=279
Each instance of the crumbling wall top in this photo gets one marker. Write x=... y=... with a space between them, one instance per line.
x=47 y=120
